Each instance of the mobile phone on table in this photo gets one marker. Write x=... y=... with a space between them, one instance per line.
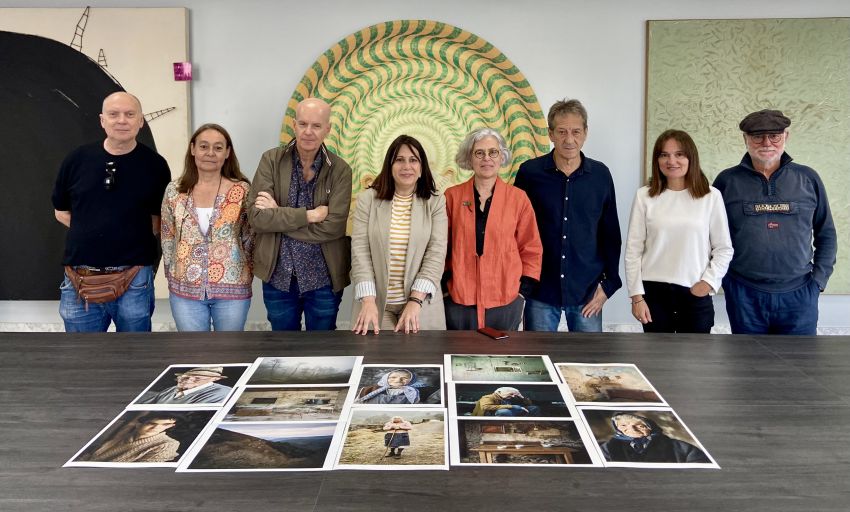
x=493 y=333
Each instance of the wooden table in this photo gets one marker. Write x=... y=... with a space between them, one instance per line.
x=773 y=411
x=488 y=452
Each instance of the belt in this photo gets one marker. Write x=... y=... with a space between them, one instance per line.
x=85 y=270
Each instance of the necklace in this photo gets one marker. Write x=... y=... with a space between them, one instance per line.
x=192 y=193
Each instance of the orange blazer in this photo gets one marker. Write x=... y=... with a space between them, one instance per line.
x=512 y=247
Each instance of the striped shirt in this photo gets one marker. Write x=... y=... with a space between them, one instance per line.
x=399 y=238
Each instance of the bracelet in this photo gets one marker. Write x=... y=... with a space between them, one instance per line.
x=414 y=299
x=637 y=302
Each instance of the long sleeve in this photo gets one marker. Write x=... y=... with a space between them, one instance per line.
x=167 y=231
x=528 y=239
x=282 y=219
x=720 y=241
x=362 y=270
x=434 y=259
x=636 y=243
x=825 y=239
x=339 y=204
x=610 y=244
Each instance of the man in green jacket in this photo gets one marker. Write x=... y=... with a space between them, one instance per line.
x=298 y=207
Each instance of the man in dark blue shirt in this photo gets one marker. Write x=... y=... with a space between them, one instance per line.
x=573 y=198
x=782 y=232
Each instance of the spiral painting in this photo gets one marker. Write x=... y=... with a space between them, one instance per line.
x=427 y=79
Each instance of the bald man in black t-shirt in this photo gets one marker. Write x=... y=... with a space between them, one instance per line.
x=109 y=194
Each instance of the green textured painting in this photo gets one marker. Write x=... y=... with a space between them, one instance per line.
x=704 y=76
x=423 y=78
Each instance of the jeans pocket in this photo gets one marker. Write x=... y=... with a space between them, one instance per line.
x=66 y=284
x=142 y=280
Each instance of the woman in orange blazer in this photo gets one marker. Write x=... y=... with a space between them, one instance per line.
x=495 y=251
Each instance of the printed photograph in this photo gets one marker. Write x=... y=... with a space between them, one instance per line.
x=516 y=400
x=498 y=368
x=302 y=403
x=187 y=385
x=608 y=383
x=521 y=442
x=144 y=437
x=257 y=446
x=400 y=385
x=400 y=437
x=303 y=370
x=644 y=436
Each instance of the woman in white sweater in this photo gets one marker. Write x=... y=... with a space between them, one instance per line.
x=678 y=247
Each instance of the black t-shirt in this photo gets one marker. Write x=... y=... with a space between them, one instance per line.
x=111 y=227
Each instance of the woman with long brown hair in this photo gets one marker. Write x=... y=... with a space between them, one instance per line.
x=678 y=247
x=206 y=240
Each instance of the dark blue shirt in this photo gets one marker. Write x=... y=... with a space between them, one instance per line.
x=782 y=228
x=579 y=228
x=301 y=260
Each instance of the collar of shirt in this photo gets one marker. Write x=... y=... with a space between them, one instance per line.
x=582 y=168
x=298 y=167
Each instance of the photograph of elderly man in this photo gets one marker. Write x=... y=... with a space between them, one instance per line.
x=195 y=386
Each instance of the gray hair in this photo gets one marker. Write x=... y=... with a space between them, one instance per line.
x=464 y=152
x=564 y=107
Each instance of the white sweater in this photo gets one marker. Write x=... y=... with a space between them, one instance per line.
x=674 y=238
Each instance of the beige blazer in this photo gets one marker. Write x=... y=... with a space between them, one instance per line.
x=426 y=251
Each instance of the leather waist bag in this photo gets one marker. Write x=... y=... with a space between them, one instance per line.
x=102 y=288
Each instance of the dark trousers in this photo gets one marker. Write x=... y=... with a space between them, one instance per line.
x=465 y=318
x=674 y=309
x=753 y=311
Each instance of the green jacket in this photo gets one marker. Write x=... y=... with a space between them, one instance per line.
x=333 y=189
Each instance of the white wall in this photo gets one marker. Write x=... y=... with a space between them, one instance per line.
x=249 y=56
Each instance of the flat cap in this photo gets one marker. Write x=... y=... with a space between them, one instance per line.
x=205 y=371
x=764 y=121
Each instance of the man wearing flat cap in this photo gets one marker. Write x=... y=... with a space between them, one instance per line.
x=196 y=386
x=782 y=232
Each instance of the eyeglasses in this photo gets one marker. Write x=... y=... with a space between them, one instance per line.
x=492 y=153
x=109 y=180
x=772 y=137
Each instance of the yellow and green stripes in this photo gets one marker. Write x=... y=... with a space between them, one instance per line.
x=428 y=79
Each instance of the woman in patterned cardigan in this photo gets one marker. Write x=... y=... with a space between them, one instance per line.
x=206 y=240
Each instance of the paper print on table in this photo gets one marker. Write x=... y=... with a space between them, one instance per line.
x=264 y=447
x=498 y=368
x=290 y=403
x=399 y=385
x=645 y=437
x=521 y=442
x=303 y=370
x=144 y=438
x=395 y=438
x=608 y=383
x=503 y=401
x=188 y=386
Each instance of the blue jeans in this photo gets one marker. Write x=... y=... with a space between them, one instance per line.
x=196 y=315
x=131 y=312
x=541 y=316
x=753 y=311
x=284 y=309
x=516 y=410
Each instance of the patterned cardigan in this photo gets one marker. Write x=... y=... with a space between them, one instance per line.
x=219 y=263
